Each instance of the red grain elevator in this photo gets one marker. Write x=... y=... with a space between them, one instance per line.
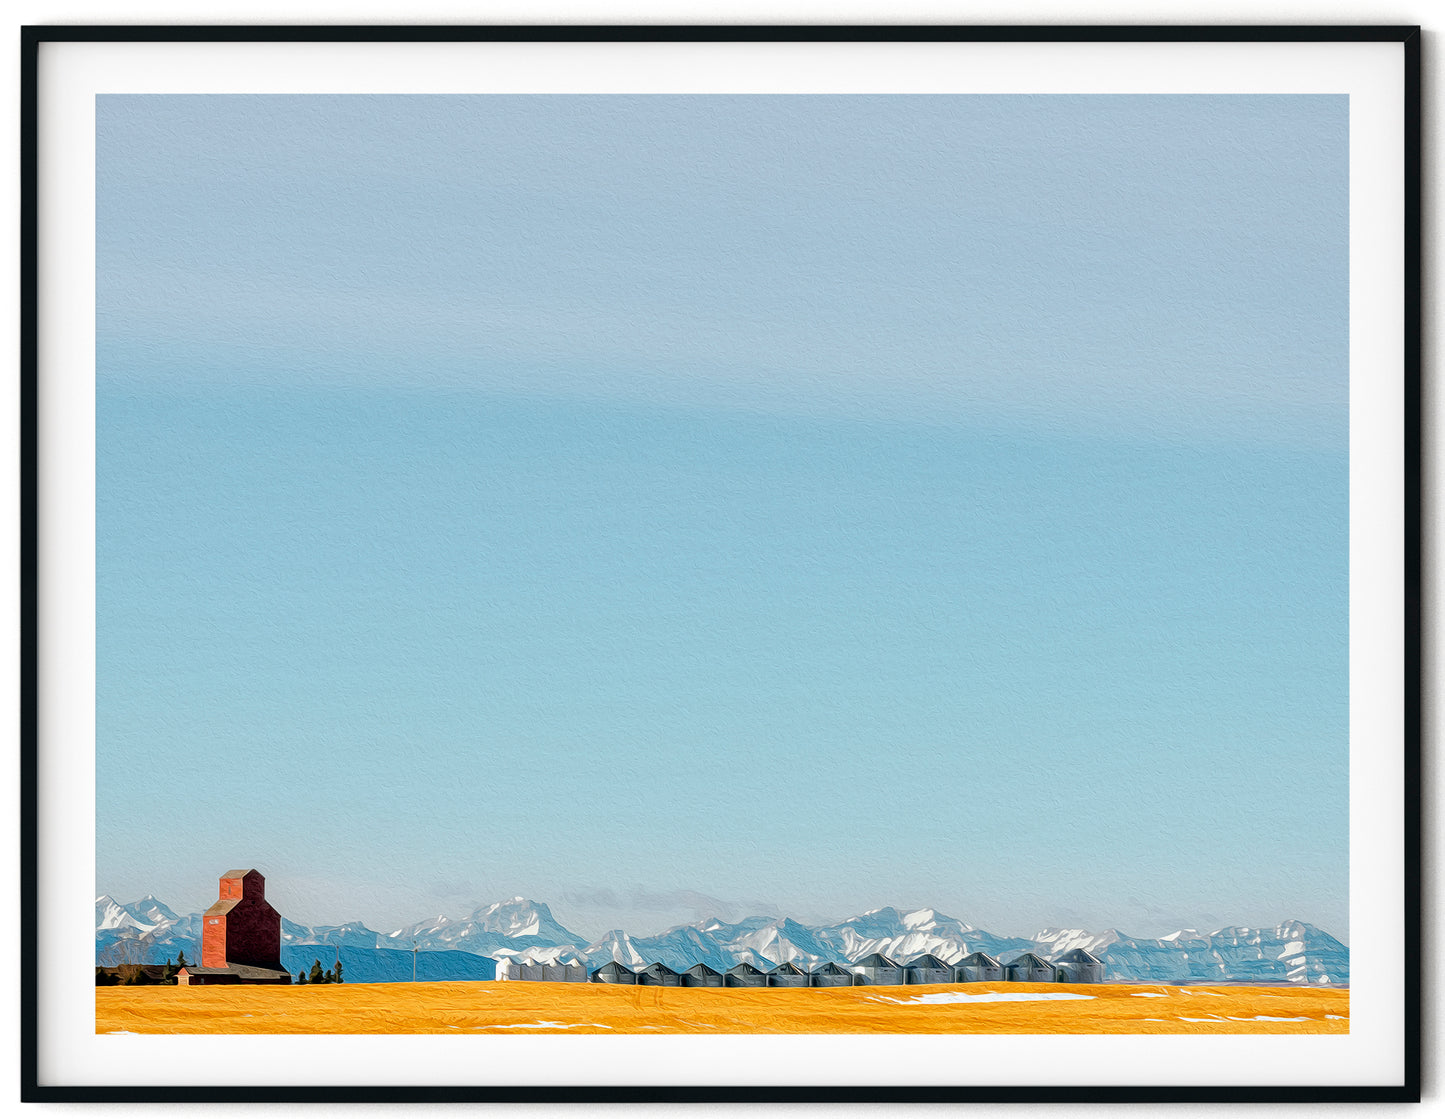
x=241 y=927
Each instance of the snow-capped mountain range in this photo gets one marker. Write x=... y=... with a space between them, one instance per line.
x=1293 y=952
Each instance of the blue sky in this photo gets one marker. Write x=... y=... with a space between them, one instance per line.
x=664 y=505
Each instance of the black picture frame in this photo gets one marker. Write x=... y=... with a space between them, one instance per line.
x=33 y=563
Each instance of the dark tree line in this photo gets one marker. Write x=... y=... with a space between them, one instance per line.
x=138 y=975
x=331 y=975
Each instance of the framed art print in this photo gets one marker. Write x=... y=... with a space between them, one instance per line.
x=682 y=563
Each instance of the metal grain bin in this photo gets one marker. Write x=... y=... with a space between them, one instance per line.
x=787 y=975
x=658 y=975
x=700 y=975
x=927 y=969
x=745 y=975
x=614 y=972
x=1029 y=968
x=1079 y=966
x=876 y=970
x=977 y=967
x=831 y=975
x=573 y=971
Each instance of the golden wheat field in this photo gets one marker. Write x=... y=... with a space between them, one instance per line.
x=1022 y=1008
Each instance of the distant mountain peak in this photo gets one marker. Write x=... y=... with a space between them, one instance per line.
x=1292 y=951
x=519 y=916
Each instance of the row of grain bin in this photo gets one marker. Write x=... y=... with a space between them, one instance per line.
x=1077 y=966
x=571 y=971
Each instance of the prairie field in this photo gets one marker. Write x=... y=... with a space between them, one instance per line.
x=493 y=1007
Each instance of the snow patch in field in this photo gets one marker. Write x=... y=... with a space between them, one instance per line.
x=1338 y=1017
x=545 y=1026
x=1148 y=995
x=1268 y=1018
x=131 y=1032
x=1215 y=1019
x=949 y=996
